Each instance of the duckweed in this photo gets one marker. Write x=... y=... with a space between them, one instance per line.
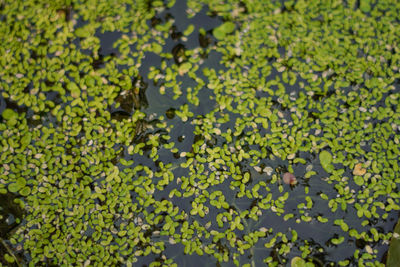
x=135 y=133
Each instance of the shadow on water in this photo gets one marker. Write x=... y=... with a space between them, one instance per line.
x=11 y=215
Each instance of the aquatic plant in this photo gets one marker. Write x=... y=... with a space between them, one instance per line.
x=289 y=178
x=131 y=134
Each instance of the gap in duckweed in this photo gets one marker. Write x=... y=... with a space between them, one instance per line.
x=160 y=133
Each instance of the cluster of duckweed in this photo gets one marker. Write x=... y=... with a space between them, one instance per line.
x=103 y=178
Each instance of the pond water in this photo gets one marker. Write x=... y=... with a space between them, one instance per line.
x=131 y=137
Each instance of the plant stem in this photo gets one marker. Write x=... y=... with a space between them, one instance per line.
x=9 y=250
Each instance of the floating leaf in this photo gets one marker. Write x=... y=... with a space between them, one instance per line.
x=365 y=6
x=289 y=178
x=221 y=31
x=25 y=191
x=156 y=48
x=9 y=114
x=325 y=159
x=75 y=91
x=85 y=31
x=13 y=187
x=264 y=111
x=185 y=67
x=189 y=30
x=299 y=262
x=359 y=170
x=26 y=140
x=114 y=175
x=8 y=258
x=21 y=182
x=359 y=180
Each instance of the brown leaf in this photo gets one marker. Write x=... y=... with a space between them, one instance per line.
x=289 y=178
x=359 y=170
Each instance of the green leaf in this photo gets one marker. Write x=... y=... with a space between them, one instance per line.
x=188 y=30
x=264 y=111
x=358 y=180
x=75 y=90
x=185 y=67
x=156 y=48
x=299 y=262
x=85 y=31
x=122 y=233
x=25 y=191
x=13 y=187
x=21 y=182
x=171 y=3
x=9 y=114
x=337 y=241
x=26 y=140
x=325 y=159
x=365 y=6
x=8 y=258
x=114 y=175
x=221 y=31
